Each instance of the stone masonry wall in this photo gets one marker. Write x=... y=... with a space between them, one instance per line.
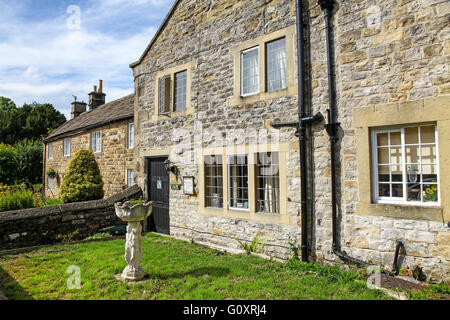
x=47 y=225
x=114 y=160
x=404 y=57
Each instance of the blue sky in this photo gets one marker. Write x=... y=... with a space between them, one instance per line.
x=51 y=50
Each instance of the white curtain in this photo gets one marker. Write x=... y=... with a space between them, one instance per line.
x=271 y=194
x=276 y=52
x=250 y=70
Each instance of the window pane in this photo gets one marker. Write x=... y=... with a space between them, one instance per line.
x=213 y=181
x=397 y=173
x=397 y=190
x=396 y=139
x=383 y=173
x=276 y=65
x=412 y=154
x=250 y=71
x=383 y=155
x=413 y=191
x=428 y=154
x=396 y=154
x=238 y=186
x=384 y=190
x=180 y=91
x=429 y=173
x=267 y=183
x=131 y=136
x=411 y=135
x=382 y=139
x=430 y=193
x=427 y=134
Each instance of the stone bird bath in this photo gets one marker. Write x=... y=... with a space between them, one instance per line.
x=133 y=214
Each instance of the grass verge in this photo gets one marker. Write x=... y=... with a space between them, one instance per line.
x=176 y=270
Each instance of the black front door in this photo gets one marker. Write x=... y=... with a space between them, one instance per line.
x=158 y=181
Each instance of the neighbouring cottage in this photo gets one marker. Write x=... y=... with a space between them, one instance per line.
x=219 y=72
x=106 y=129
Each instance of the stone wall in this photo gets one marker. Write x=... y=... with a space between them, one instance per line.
x=47 y=225
x=114 y=160
x=385 y=52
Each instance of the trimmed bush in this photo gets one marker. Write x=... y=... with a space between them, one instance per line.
x=82 y=181
x=8 y=164
x=16 y=201
x=29 y=161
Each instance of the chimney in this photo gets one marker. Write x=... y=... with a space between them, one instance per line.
x=78 y=108
x=97 y=97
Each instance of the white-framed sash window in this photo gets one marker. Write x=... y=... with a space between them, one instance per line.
x=50 y=150
x=131 y=136
x=96 y=141
x=67 y=147
x=130 y=177
x=405 y=165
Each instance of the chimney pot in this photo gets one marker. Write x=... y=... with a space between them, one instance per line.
x=100 y=86
x=95 y=88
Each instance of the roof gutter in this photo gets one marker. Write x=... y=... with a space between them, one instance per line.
x=71 y=132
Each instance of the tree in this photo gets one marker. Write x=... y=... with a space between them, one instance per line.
x=8 y=164
x=83 y=181
x=31 y=121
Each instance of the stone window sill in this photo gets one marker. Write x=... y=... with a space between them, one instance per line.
x=401 y=211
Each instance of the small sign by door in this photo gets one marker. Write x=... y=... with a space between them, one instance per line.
x=159 y=184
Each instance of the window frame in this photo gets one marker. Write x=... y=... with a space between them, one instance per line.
x=97 y=143
x=242 y=72
x=376 y=198
x=130 y=176
x=130 y=136
x=229 y=183
x=175 y=91
x=206 y=186
x=258 y=166
x=69 y=140
x=50 y=154
x=266 y=80
x=50 y=183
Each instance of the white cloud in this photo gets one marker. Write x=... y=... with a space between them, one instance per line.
x=44 y=61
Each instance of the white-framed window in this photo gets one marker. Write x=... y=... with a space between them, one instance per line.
x=131 y=136
x=67 y=147
x=213 y=181
x=238 y=182
x=405 y=166
x=267 y=182
x=50 y=150
x=130 y=177
x=96 y=141
x=276 y=76
x=250 y=71
x=50 y=184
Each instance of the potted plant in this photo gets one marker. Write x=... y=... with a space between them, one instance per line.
x=133 y=212
x=51 y=172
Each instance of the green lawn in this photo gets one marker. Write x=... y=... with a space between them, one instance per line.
x=177 y=270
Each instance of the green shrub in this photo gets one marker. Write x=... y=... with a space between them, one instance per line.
x=16 y=200
x=29 y=161
x=254 y=246
x=82 y=181
x=8 y=164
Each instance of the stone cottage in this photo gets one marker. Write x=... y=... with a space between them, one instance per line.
x=218 y=123
x=106 y=129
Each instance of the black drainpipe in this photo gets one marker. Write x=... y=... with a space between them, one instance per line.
x=303 y=121
x=332 y=130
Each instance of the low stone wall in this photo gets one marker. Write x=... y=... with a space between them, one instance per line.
x=73 y=221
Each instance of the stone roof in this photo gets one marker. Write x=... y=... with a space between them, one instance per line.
x=117 y=110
